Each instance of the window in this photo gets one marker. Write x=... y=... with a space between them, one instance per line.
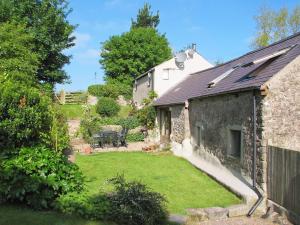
x=235 y=143
x=165 y=75
x=149 y=79
x=198 y=141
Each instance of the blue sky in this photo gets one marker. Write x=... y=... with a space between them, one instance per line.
x=222 y=30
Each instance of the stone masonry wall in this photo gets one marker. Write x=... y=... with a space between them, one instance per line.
x=216 y=116
x=281 y=108
x=177 y=120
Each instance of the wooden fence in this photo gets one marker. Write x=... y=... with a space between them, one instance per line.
x=284 y=178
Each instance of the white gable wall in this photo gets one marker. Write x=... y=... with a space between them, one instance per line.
x=175 y=75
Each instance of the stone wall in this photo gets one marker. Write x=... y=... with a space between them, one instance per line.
x=216 y=116
x=177 y=123
x=281 y=108
x=142 y=89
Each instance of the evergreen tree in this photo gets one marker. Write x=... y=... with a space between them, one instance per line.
x=146 y=18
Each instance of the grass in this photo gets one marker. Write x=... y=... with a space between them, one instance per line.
x=182 y=184
x=74 y=111
x=124 y=111
x=16 y=215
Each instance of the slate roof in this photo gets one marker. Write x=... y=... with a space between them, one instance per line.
x=196 y=85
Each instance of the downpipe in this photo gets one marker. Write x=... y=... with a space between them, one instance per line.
x=254 y=186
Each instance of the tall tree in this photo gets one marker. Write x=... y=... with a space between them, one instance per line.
x=273 y=25
x=126 y=56
x=146 y=18
x=47 y=21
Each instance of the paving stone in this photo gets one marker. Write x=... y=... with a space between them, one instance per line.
x=195 y=216
x=216 y=213
x=237 y=210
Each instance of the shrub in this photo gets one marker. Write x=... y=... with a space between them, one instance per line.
x=147 y=116
x=58 y=137
x=107 y=107
x=95 y=208
x=134 y=204
x=130 y=122
x=135 y=137
x=25 y=115
x=37 y=176
x=110 y=90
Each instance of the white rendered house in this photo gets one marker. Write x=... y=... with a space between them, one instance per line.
x=167 y=74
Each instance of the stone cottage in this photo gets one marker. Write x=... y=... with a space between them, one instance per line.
x=167 y=74
x=227 y=115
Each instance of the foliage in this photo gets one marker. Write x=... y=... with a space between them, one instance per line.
x=18 y=61
x=16 y=215
x=110 y=90
x=145 y=18
x=46 y=21
x=96 y=207
x=134 y=204
x=147 y=116
x=37 y=176
x=165 y=173
x=58 y=137
x=273 y=26
x=130 y=122
x=25 y=115
x=107 y=107
x=135 y=137
x=125 y=56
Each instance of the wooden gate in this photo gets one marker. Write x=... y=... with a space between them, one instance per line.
x=284 y=178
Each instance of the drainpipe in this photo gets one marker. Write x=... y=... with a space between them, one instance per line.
x=260 y=196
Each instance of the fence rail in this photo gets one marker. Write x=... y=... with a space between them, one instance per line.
x=284 y=178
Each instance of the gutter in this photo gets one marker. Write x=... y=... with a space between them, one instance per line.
x=254 y=187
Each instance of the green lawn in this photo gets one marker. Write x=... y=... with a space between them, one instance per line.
x=18 y=215
x=182 y=184
x=124 y=111
x=74 y=111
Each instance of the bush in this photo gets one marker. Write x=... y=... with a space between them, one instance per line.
x=58 y=136
x=133 y=203
x=25 y=115
x=37 y=176
x=147 y=116
x=130 y=122
x=110 y=90
x=135 y=137
x=107 y=107
x=94 y=208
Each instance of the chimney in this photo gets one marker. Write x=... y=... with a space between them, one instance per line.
x=194 y=47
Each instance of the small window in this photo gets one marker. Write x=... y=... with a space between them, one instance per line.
x=165 y=75
x=235 y=143
x=135 y=85
x=198 y=141
x=149 y=79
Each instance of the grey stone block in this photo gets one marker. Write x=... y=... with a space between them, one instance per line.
x=216 y=213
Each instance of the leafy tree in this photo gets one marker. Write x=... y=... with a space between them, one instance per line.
x=145 y=18
x=273 y=26
x=18 y=61
x=47 y=22
x=128 y=55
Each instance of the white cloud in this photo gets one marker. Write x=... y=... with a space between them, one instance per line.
x=81 y=39
x=88 y=54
